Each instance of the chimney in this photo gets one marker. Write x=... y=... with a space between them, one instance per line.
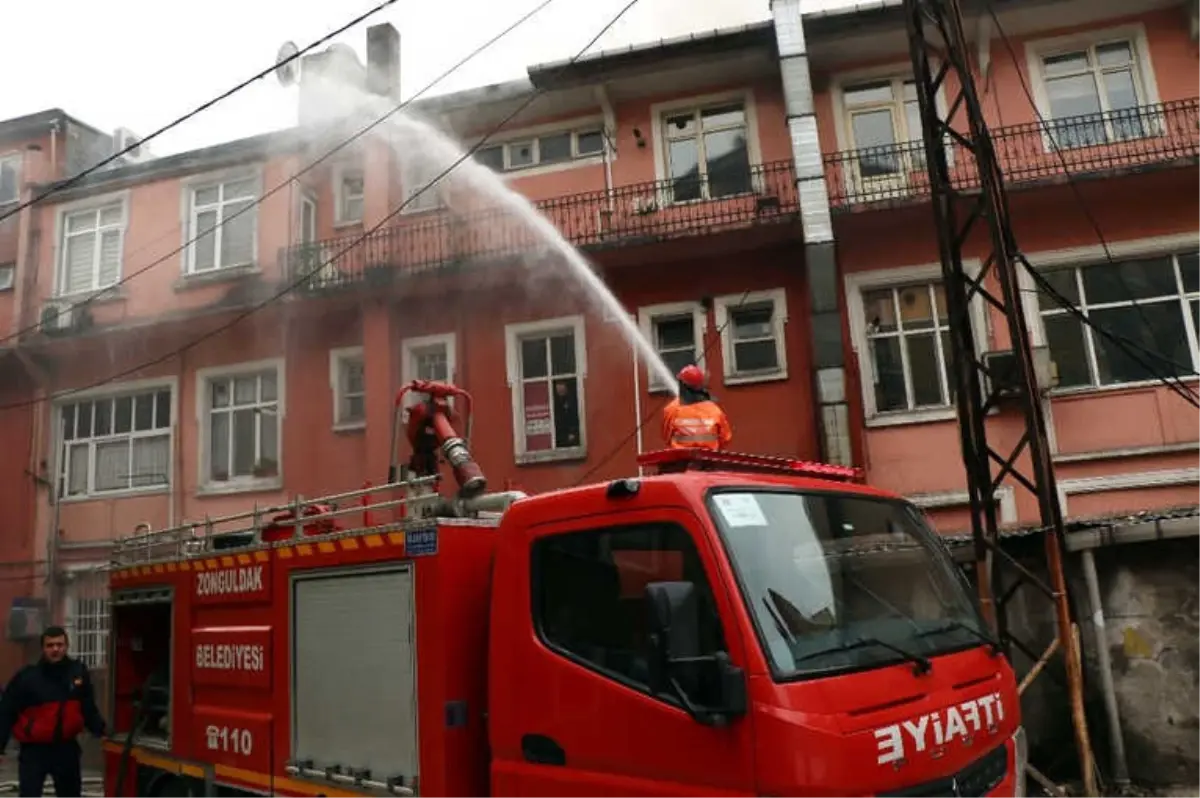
x=383 y=60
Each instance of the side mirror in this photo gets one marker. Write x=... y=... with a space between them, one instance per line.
x=676 y=663
x=673 y=620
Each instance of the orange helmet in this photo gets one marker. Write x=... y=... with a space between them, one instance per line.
x=692 y=377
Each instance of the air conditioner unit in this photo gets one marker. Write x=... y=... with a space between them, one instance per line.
x=57 y=317
x=124 y=137
x=27 y=617
x=1002 y=366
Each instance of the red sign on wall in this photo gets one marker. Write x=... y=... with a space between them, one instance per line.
x=232 y=737
x=232 y=656
x=233 y=584
x=539 y=428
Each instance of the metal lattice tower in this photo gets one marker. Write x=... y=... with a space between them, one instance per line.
x=938 y=48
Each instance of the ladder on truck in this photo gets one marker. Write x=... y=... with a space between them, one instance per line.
x=324 y=518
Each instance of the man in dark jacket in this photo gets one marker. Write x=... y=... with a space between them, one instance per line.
x=44 y=708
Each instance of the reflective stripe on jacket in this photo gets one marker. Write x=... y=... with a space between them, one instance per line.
x=700 y=425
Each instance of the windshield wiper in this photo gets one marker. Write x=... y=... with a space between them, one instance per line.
x=951 y=623
x=921 y=665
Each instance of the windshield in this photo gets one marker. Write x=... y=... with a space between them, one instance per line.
x=843 y=582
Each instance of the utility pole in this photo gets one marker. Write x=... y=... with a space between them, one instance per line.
x=938 y=48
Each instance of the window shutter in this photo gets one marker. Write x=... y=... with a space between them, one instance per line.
x=110 y=258
x=80 y=255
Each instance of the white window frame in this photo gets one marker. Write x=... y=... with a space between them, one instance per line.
x=1144 y=81
x=411 y=346
x=857 y=283
x=648 y=316
x=187 y=219
x=203 y=421
x=69 y=397
x=95 y=657
x=8 y=276
x=10 y=157
x=307 y=200
x=513 y=335
x=342 y=172
x=575 y=126
x=337 y=358
x=658 y=116
x=1085 y=256
x=723 y=306
x=91 y=204
x=887 y=186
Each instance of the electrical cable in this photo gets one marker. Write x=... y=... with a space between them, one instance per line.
x=358 y=240
x=97 y=295
x=74 y=180
x=1172 y=382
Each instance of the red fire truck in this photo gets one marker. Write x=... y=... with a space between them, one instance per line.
x=726 y=624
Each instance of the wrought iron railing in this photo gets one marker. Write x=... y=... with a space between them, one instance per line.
x=630 y=214
x=1083 y=145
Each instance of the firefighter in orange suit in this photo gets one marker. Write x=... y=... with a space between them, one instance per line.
x=694 y=420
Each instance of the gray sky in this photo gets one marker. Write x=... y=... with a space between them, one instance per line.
x=140 y=64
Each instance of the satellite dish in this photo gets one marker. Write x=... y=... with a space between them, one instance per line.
x=287 y=68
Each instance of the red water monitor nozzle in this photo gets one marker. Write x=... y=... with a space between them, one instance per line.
x=430 y=429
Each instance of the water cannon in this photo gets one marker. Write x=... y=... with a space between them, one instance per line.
x=430 y=430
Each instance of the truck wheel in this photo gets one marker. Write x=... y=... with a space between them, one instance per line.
x=168 y=785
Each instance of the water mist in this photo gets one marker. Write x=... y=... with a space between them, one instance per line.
x=468 y=183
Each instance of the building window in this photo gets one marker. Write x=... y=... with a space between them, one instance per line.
x=118 y=442
x=349 y=387
x=308 y=219
x=589 y=592
x=8 y=275
x=676 y=331
x=551 y=148
x=908 y=345
x=430 y=357
x=1150 y=302
x=1093 y=94
x=349 y=189
x=707 y=152
x=423 y=185
x=242 y=412
x=92 y=242
x=87 y=613
x=884 y=121
x=546 y=365
x=223 y=224
x=10 y=179
x=752 y=335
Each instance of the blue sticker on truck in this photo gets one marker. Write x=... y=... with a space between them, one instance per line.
x=420 y=542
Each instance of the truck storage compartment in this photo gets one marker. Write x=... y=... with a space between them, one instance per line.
x=142 y=632
x=353 y=673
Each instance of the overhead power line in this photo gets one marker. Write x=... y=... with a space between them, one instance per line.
x=341 y=145
x=1129 y=348
x=74 y=180
x=358 y=240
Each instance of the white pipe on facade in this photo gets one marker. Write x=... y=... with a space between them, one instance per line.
x=609 y=148
x=1116 y=738
x=637 y=406
x=820 y=256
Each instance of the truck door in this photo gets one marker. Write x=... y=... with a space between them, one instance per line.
x=586 y=721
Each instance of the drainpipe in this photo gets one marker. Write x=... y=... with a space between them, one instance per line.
x=608 y=135
x=1116 y=738
x=637 y=405
x=820 y=255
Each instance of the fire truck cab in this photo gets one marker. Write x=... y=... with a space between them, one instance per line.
x=731 y=624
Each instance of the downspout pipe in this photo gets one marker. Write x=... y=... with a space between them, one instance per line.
x=1116 y=738
x=832 y=415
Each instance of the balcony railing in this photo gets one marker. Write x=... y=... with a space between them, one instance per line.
x=1094 y=144
x=632 y=214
